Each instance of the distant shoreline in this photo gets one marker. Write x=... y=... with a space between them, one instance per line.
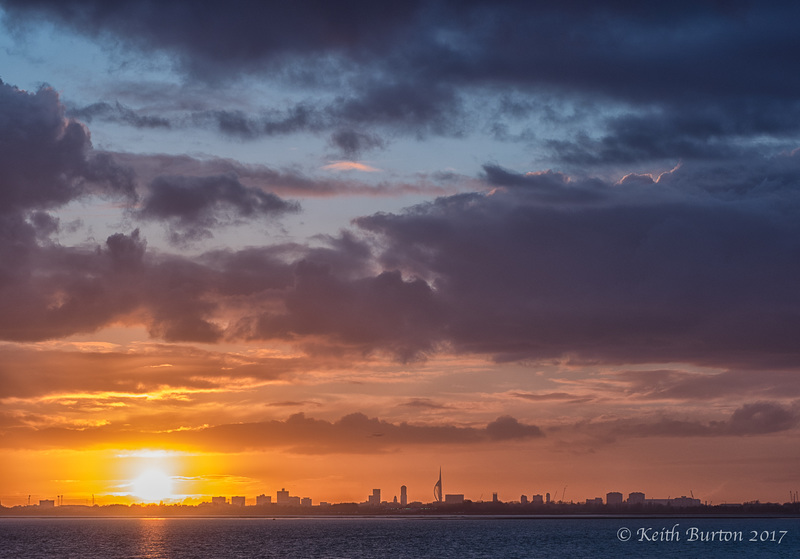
x=175 y=512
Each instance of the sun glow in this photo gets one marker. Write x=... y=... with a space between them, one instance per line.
x=152 y=486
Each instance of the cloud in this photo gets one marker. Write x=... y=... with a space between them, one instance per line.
x=508 y=428
x=716 y=131
x=677 y=385
x=352 y=143
x=193 y=206
x=760 y=418
x=352 y=434
x=119 y=113
x=424 y=403
x=350 y=166
x=386 y=312
x=416 y=68
x=551 y=397
x=281 y=182
x=46 y=159
x=696 y=266
x=119 y=375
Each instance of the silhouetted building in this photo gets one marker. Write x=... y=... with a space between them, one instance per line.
x=494 y=498
x=47 y=503
x=636 y=498
x=614 y=498
x=262 y=500
x=523 y=499
x=456 y=499
x=282 y=497
x=237 y=501
x=219 y=501
x=679 y=502
x=305 y=502
x=537 y=500
x=437 y=489
x=547 y=498
x=595 y=501
x=403 y=495
x=293 y=501
x=374 y=499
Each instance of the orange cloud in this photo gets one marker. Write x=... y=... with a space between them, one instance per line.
x=350 y=166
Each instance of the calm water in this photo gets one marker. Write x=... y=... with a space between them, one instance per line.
x=108 y=538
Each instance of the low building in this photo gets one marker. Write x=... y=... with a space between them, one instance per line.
x=537 y=500
x=237 y=501
x=614 y=498
x=47 y=503
x=305 y=502
x=455 y=499
x=636 y=498
x=595 y=501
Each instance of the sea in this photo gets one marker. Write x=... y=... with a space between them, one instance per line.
x=397 y=537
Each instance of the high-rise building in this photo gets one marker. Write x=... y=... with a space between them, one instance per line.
x=547 y=498
x=305 y=502
x=437 y=489
x=262 y=500
x=283 y=497
x=523 y=499
x=494 y=498
x=403 y=495
x=375 y=499
x=237 y=501
x=537 y=500
x=219 y=501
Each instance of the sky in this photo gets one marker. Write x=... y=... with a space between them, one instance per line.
x=335 y=246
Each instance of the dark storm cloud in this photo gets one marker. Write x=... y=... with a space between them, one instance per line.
x=619 y=47
x=385 y=312
x=46 y=159
x=53 y=291
x=715 y=131
x=698 y=266
x=411 y=66
x=193 y=206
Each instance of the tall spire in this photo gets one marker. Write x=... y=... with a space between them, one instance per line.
x=437 y=489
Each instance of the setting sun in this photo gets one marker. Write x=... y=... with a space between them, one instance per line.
x=152 y=485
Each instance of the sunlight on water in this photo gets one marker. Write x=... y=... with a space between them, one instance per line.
x=153 y=538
